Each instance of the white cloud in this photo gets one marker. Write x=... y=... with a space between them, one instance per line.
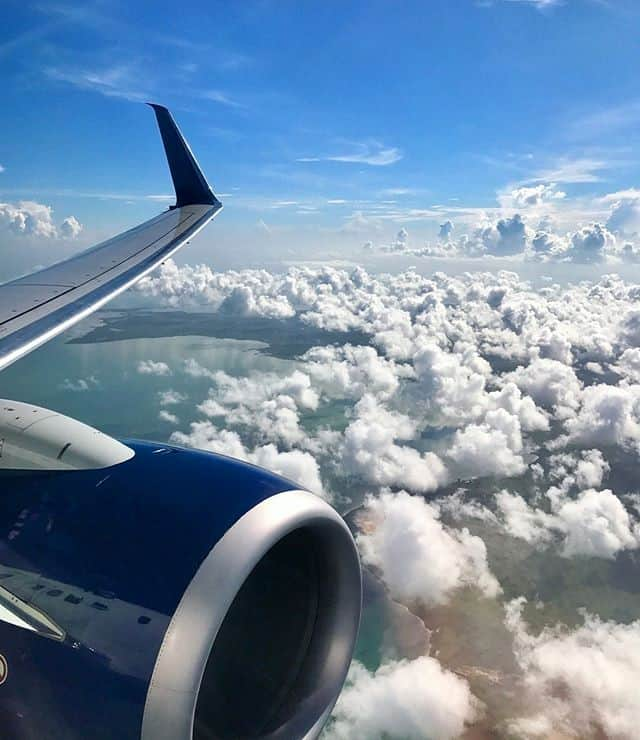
x=577 y=683
x=596 y=524
x=420 y=559
x=567 y=170
x=70 y=228
x=524 y=522
x=593 y=524
x=590 y=469
x=492 y=448
x=369 y=152
x=171 y=398
x=628 y=364
x=28 y=218
x=403 y=700
x=625 y=216
x=445 y=231
x=80 y=385
x=608 y=415
x=117 y=81
x=217 y=96
x=350 y=372
x=539 y=4
x=507 y=237
x=151 y=367
x=167 y=416
x=451 y=385
x=532 y=196
x=301 y=467
x=550 y=383
x=267 y=404
x=589 y=243
x=371 y=452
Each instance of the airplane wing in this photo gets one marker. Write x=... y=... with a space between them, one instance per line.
x=38 y=307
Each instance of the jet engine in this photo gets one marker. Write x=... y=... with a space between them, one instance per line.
x=154 y=592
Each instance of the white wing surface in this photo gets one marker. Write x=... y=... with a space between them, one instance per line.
x=36 y=308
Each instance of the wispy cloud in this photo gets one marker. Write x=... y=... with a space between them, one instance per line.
x=113 y=82
x=628 y=194
x=71 y=193
x=60 y=16
x=394 y=192
x=368 y=152
x=566 y=170
x=538 y=4
x=1 y=168
x=217 y=96
x=606 y=120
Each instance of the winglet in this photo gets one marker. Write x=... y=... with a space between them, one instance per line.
x=189 y=182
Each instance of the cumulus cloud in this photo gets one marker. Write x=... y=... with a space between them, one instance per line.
x=625 y=213
x=401 y=239
x=70 y=228
x=547 y=246
x=550 y=383
x=532 y=196
x=492 y=448
x=350 y=372
x=269 y=405
x=29 y=218
x=589 y=470
x=151 y=367
x=419 y=558
x=171 y=398
x=628 y=365
x=507 y=237
x=167 y=416
x=370 y=450
x=297 y=465
x=596 y=524
x=403 y=700
x=589 y=243
x=577 y=682
x=445 y=231
x=80 y=385
x=608 y=415
x=593 y=523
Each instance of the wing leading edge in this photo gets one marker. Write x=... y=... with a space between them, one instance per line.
x=38 y=307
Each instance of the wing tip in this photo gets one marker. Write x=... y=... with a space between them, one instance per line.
x=189 y=182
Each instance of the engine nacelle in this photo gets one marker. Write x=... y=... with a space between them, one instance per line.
x=174 y=595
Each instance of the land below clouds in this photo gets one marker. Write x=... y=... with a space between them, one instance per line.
x=282 y=338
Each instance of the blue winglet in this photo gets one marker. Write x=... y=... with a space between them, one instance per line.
x=190 y=184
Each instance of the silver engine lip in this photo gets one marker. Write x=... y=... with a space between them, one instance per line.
x=175 y=683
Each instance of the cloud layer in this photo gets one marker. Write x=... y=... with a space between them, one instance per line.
x=479 y=416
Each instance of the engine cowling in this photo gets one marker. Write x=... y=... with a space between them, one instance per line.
x=174 y=595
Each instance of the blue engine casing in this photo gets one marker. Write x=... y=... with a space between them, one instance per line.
x=106 y=557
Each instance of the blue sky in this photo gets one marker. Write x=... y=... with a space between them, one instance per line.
x=314 y=119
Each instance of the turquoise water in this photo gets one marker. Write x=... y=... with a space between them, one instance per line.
x=119 y=400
